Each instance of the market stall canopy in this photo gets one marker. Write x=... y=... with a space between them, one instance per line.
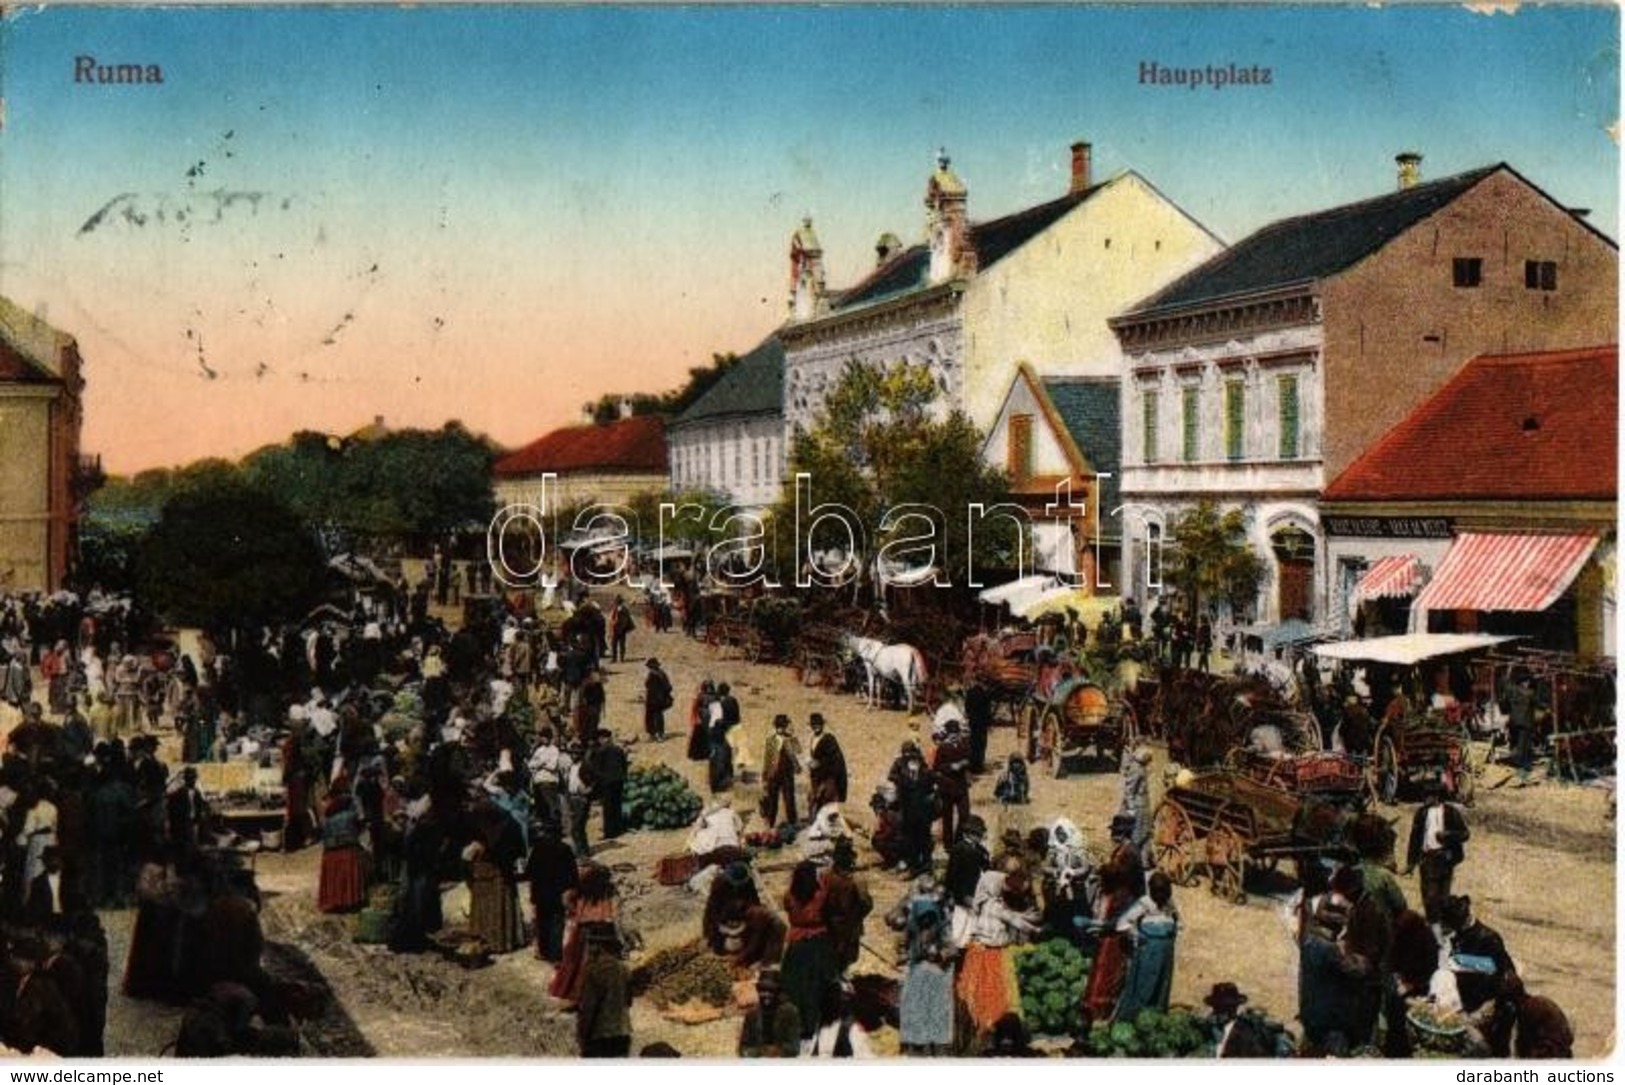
x=1407 y=649
x=1090 y=608
x=1391 y=578
x=1017 y=592
x=672 y=553
x=1506 y=572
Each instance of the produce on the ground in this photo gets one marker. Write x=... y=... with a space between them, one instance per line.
x=1153 y=1034
x=658 y=798
x=1051 y=976
x=684 y=973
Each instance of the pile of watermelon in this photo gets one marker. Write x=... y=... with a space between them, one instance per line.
x=1051 y=976
x=659 y=798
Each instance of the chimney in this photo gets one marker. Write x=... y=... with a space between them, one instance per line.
x=625 y=407
x=1082 y=159
x=887 y=247
x=1580 y=212
x=587 y=414
x=1410 y=169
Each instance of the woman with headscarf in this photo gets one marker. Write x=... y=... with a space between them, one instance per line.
x=592 y=901
x=54 y=664
x=1004 y=914
x=1121 y=883
x=342 y=886
x=493 y=877
x=926 y=1007
x=809 y=955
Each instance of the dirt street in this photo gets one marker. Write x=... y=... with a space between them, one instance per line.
x=1540 y=869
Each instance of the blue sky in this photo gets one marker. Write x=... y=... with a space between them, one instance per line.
x=496 y=213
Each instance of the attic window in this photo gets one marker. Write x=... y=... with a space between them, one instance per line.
x=1539 y=275
x=1531 y=424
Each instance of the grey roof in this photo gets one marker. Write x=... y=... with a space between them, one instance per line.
x=993 y=241
x=1309 y=247
x=1089 y=408
x=755 y=385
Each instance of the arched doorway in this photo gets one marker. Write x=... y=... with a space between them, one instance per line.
x=1294 y=550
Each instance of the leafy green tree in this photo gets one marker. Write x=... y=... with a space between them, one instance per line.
x=1208 y=557
x=229 y=555
x=880 y=445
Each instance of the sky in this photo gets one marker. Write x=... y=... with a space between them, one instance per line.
x=495 y=214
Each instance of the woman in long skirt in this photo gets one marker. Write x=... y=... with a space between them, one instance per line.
x=926 y=1007
x=592 y=901
x=1150 y=926
x=148 y=970
x=699 y=723
x=809 y=955
x=493 y=879
x=342 y=886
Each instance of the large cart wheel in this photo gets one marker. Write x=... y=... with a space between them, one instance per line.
x=1173 y=843
x=1049 y=741
x=1387 y=769
x=1227 y=864
x=1026 y=715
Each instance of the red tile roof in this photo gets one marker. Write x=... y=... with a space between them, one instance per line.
x=630 y=445
x=1528 y=427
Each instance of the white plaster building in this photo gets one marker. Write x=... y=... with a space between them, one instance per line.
x=730 y=441
x=975 y=300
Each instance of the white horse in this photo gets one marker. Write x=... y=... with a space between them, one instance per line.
x=900 y=663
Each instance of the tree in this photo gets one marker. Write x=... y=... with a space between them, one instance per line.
x=879 y=445
x=1209 y=557
x=229 y=555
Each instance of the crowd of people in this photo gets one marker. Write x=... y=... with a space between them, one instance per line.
x=414 y=753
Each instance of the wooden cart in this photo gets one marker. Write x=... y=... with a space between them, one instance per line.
x=1229 y=823
x=1079 y=716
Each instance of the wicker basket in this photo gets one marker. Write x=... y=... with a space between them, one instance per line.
x=1447 y=1037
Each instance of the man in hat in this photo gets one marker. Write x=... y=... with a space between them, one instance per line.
x=916 y=800
x=609 y=768
x=773 y=1029
x=781 y=761
x=1519 y=700
x=188 y=814
x=1233 y=1036
x=751 y=935
x=951 y=766
x=550 y=778
x=551 y=871
x=826 y=765
x=733 y=891
x=1438 y=831
x=604 y=1010
x=968 y=860
x=1484 y=972
x=40 y=1013
x=1330 y=979
x=846 y=904
x=657 y=697
x=1125 y=869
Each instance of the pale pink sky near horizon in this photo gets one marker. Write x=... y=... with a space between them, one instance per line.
x=496 y=213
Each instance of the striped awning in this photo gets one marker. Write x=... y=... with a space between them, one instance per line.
x=1505 y=572
x=1391 y=578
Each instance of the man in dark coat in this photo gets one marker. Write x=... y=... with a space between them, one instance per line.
x=968 y=860
x=1482 y=992
x=826 y=766
x=951 y=767
x=657 y=698
x=773 y=1029
x=979 y=720
x=551 y=870
x=1438 y=832
x=916 y=800
x=41 y=1015
x=608 y=765
x=186 y=810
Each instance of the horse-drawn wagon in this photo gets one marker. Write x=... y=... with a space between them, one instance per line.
x=1078 y=716
x=1228 y=822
